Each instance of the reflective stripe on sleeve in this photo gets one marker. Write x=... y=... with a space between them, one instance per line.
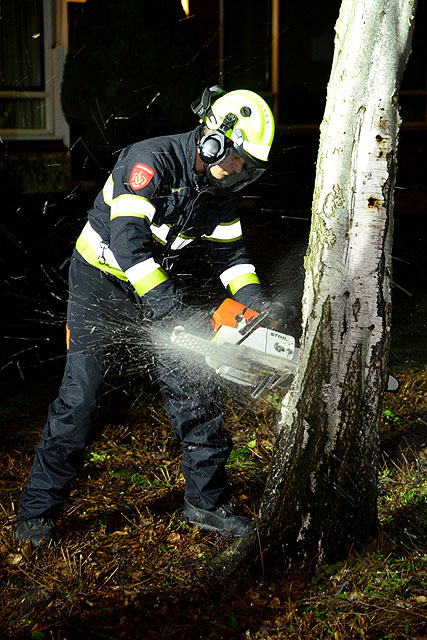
x=90 y=246
x=133 y=206
x=146 y=275
x=180 y=242
x=242 y=281
x=226 y=232
x=160 y=233
x=239 y=276
x=107 y=192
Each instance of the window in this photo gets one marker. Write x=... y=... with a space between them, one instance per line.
x=30 y=60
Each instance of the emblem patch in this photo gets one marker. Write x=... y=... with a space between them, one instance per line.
x=141 y=175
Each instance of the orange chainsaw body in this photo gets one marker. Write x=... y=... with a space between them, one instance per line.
x=230 y=312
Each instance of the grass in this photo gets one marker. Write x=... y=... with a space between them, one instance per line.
x=127 y=566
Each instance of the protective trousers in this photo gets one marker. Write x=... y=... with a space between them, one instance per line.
x=101 y=308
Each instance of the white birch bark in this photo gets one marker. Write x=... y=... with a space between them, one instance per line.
x=353 y=199
x=346 y=301
x=320 y=496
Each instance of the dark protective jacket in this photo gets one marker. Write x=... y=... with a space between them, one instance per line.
x=154 y=203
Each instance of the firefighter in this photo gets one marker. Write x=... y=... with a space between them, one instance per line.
x=161 y=195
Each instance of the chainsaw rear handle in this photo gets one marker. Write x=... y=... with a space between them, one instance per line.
x=235 y=314
x=230 y=313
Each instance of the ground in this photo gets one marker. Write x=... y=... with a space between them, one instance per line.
x=126 y=566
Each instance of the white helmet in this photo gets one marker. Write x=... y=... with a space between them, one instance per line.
x=239 y=122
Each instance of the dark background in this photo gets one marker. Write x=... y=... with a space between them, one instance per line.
x=117 y=64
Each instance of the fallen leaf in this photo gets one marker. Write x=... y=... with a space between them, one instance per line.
x=14 y=558
x=173 y=537
x=420 y=599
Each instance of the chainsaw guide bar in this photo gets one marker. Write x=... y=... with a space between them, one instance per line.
x=242 y=364
x=246 y=349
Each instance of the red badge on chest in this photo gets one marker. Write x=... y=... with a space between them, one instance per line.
x=141 y=176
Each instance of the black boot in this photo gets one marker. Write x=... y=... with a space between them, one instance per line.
x=221 y=519
x=38 y=531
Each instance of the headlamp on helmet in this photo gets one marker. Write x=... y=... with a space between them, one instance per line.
x=238 y=122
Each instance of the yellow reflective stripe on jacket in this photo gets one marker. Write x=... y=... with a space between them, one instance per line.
x=132 y=205
x=181 y=241
x=107 y=192
x=239 y=276
x=241 y=281
x=234 y=272
x=226 y=232
x=146 y=275
x=160 y=233
x=90 y=255
x=143 y=276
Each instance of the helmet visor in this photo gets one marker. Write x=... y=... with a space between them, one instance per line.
x=251 y=171
x=250 y=161
x=237 y=181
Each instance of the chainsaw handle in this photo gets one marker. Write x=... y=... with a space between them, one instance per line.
x=230 y=312
x=253 y=323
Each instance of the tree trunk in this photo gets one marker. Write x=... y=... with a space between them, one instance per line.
x=321 y=494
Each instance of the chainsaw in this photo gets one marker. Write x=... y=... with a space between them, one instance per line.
x=245 y=349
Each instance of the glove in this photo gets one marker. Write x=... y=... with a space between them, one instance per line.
x=283 y=317
x=251 y=296
x=277 y=313
x=162 y=303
